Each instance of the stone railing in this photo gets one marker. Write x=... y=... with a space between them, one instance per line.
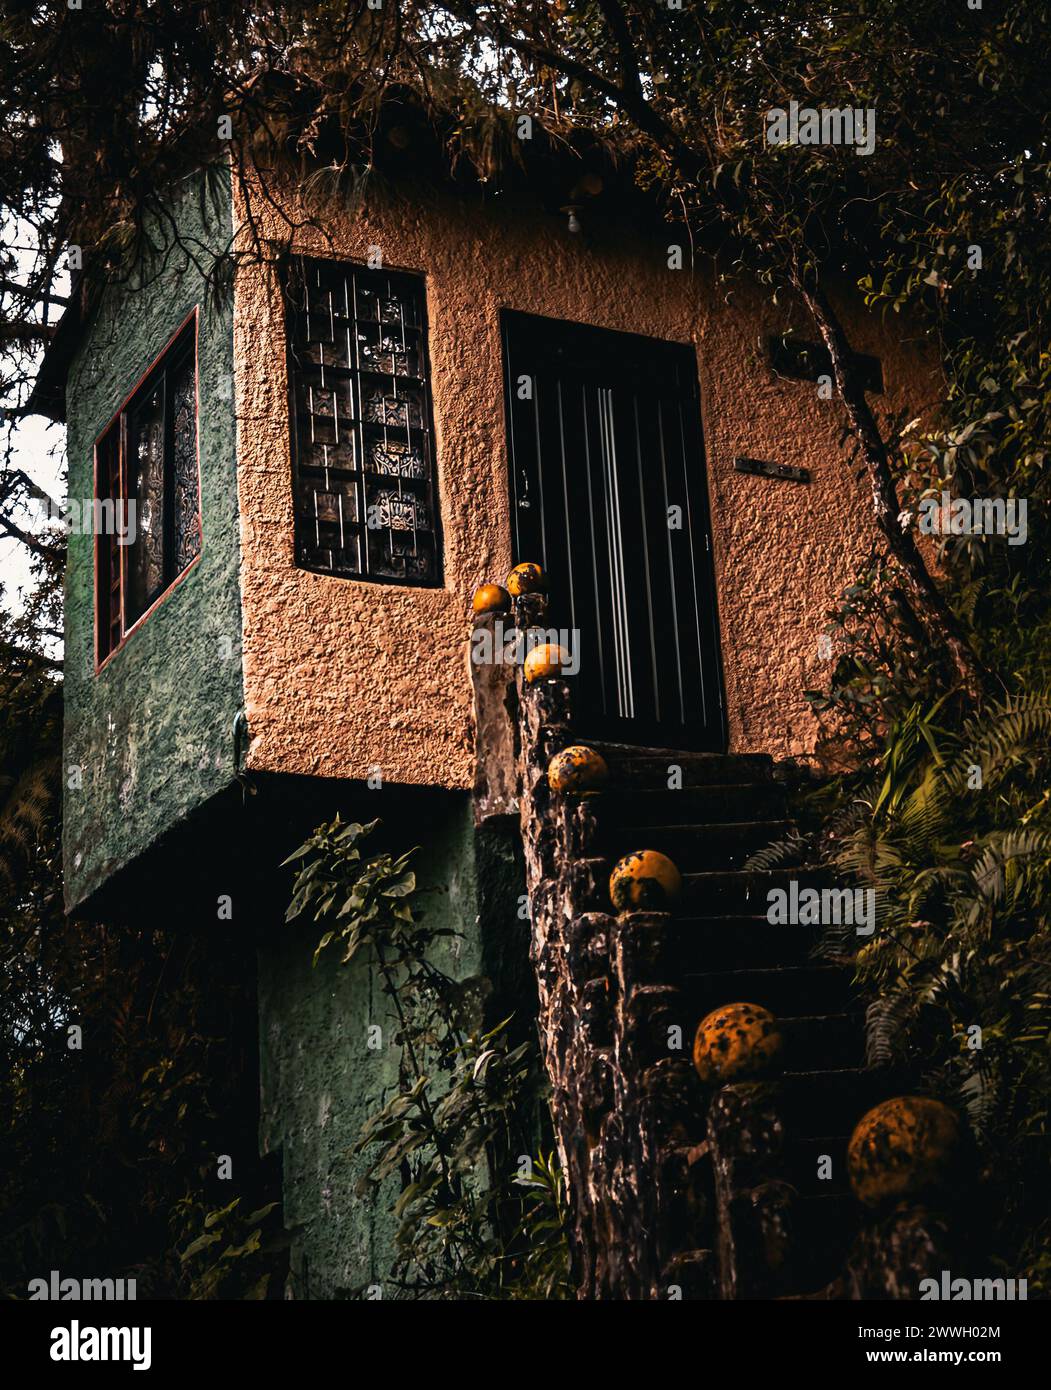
x=666 y=1192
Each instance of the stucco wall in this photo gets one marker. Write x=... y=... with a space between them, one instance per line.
x=341 y=674
x=152 y=731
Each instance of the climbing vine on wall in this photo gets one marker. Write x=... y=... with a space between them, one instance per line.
x=479 y=1211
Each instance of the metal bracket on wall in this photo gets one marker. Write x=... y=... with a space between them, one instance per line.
x=772 y=470
x=800 y=361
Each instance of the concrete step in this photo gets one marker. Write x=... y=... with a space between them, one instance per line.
x=695 y=806
x=804 y=1158
x=695 y=848
x=787 y=991
x=744 y=892
x=825 y=1225
x=830 y=1100
x=651 y=767
x=823 y=1041
x=698 y=944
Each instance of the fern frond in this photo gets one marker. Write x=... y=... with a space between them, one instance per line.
x=885 y=1026
x=1003 y=737
x=791 y=850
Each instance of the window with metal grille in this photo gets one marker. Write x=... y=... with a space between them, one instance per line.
x=147 y=491
x=362 y=443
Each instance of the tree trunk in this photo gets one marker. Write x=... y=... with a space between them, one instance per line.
x=926 y=597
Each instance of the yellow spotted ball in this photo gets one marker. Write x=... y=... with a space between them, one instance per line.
x=490 y=598
x=645 y=881
x=577 y=770
x=903 y=1148
x=526 y=578
x=738 y=1042
x=544 y=662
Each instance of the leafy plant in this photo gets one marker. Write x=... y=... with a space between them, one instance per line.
x=541 y=1231
x=475 y=1216
x=365 y=899
x=952 y=829
x=232 y=1257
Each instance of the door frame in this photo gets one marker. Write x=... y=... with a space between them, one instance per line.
x=700 y=512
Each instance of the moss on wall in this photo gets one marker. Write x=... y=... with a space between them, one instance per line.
x=320 y=1080
x=152 y=732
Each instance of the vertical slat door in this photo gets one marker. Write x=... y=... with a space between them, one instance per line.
x=608 y=494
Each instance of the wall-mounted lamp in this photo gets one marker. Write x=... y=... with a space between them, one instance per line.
x=574 y=220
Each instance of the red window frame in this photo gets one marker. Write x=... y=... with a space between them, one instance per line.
x=111 y=484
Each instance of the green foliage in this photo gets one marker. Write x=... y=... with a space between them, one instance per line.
x=476 y=1217
x=108 y=1154
x=233 y=1257
x=883 y=664
x=952 y=828
x=541 y=1233
x=365 y=899
x=943 y=807
x=106 y=1150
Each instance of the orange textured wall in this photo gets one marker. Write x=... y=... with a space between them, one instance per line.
x=341 y=676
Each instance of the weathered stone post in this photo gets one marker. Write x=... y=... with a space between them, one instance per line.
x=629 y=1114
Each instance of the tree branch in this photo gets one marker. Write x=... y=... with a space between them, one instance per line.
x=42 y=296
x=633 y=104
x=18 y=331
x=630 y=81
x=928 y=599
x=46 y=552
x=11 y=649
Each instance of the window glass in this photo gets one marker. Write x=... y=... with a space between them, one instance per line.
x=144 y=468
x=147 y=487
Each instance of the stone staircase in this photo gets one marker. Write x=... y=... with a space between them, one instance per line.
x=680 y=1190
x=722 y=950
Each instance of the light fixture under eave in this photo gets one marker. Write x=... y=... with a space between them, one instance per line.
x=574 y=221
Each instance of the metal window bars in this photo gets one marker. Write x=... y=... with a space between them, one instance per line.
x=362 y=438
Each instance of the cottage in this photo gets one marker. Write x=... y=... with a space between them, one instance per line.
x=412 y=390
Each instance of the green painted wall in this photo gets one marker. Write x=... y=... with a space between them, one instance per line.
x=319 y=1079
x=152 y=732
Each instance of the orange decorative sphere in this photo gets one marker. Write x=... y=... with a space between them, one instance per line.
x=490 y=598
x=644 y=881
x=903 y=1148
x=577 y=769
x=526 y=578
x=545 y=662
x=738 y=1042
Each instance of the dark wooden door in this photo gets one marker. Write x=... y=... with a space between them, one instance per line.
x=608 y=494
